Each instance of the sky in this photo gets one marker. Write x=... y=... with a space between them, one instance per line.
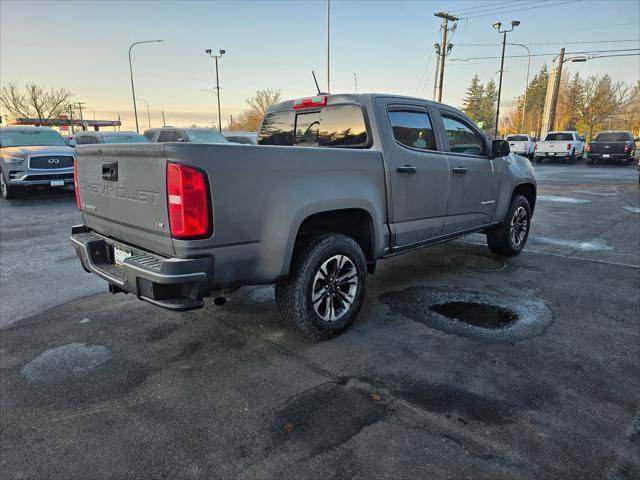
x=82 y=46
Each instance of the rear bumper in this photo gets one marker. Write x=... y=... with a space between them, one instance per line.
x=611 y=156
x=173 y=283
x=551 y=154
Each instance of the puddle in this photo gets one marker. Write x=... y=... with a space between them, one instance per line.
x=485 y=317
x=558 y=199
x=632 y=209
x=478 y=314
x=582 y=245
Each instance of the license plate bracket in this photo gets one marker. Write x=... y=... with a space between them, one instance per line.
x=605 y=155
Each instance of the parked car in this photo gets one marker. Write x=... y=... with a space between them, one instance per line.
x=521 y=144
x=337 y=183
x=31 y=156
x=187 y=135
x=246 y=138
x=88 y=138
x=612 y=146
x=567 y=146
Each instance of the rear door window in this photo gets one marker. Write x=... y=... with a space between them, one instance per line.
x=413 y=129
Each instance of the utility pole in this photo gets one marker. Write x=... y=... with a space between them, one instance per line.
x=216 y=57
x=355 y=79
x=556 y=90
x=444 y=47
x=328 y=46
x=164 y=123
x=497 y=26
x=435 y=78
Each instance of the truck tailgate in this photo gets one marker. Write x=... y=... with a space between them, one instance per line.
x=122 y=191
x=556 y=146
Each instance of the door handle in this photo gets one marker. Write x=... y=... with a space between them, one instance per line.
x=406 y=169
x=459 y=170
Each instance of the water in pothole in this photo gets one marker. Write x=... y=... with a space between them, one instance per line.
x=477 y=314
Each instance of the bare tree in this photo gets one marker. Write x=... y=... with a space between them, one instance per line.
x=263 y=99
x=34 y=101
x=259 y=103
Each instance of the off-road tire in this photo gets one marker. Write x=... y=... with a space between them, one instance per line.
x=294 y=294
x=500 y=239
x=5 y=190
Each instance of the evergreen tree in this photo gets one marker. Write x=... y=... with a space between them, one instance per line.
x=473 y=101
x=489 y=100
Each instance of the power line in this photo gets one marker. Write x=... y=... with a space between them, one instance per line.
x=547 y=43
x=477 y=7
x=546 y=5
x=496 y=10
x=545 y=54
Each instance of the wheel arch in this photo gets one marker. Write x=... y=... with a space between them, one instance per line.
x=528 y=191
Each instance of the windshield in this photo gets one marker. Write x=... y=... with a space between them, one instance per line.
x=30 y=138
x=613 y=137
x=517 y=138
x=205 y=135
x=123 y=138
x=559 y=136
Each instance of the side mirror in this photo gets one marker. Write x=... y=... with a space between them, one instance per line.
x=499 y=148
x=582 y=138
x=72 y=142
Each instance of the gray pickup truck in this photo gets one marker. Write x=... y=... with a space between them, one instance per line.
x=336 y=183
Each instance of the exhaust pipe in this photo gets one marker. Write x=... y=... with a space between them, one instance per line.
x=219 y=301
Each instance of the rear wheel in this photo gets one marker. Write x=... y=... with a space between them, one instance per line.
x=537 y=159
x=6 y=191
x=509 y=238
x=325 y=288
x=571 y=158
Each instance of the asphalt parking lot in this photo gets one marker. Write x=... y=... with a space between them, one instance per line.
x=94 y=385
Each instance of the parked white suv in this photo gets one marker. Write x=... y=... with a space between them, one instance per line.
x=521 y=144
x=567 y=146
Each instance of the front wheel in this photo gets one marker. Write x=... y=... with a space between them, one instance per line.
x=5 y=190
x=325 y=288
x=509 y=238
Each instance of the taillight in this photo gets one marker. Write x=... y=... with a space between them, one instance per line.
x=626 y=148
x=589 y=148
x=317 y=101
x=188 y=201
x=535 y=147
x=568 y=146
x=75 y=182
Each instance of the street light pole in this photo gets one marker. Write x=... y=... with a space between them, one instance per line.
x=216 y=57
x=133 y=90
x=514 y=24
x=524 y=107
x=148 y=114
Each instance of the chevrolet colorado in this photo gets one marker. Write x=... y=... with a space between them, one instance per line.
x=336 y=183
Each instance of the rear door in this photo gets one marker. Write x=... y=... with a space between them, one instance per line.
x=418 y=172
x=474 y=178
x=123 y=193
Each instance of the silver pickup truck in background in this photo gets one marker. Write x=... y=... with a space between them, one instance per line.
x=336 y=183
x=33 y=156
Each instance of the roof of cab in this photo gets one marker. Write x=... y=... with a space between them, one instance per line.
x=342 y=98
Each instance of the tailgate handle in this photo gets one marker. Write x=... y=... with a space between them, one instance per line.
x=459 y=170
x=110 y=171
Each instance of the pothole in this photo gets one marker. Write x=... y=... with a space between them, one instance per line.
x=482 y=316
x=476 y=262
x=478 y=314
